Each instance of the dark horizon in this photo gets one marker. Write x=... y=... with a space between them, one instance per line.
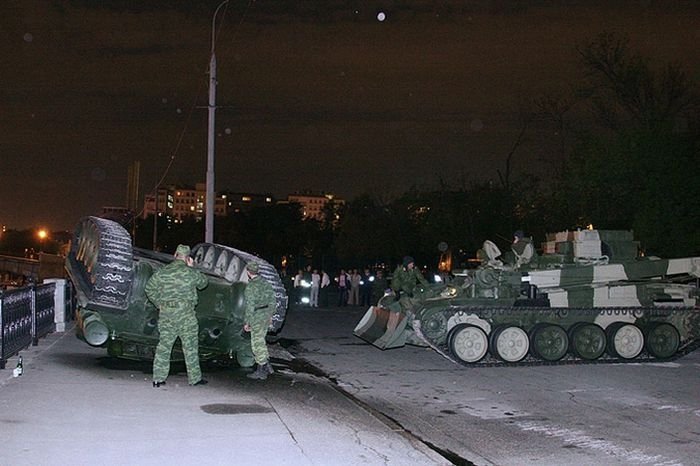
x=313 y=96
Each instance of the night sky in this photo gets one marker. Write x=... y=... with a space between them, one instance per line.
x=313 y=95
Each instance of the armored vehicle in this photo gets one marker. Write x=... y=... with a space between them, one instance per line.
x=110 y=275
x=589 y=297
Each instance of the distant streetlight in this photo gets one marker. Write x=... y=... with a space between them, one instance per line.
x=209 y=207
x=42 y=234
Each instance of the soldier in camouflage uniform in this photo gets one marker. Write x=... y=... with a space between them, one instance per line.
x=522 y=249
x=404 y=279
x=173 y=289
x=260 y=303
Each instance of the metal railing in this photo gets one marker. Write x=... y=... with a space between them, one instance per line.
x=26 y=314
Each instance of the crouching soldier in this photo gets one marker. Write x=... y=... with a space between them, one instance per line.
x=260 y=303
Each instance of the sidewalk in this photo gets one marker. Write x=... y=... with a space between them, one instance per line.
x=74 y=405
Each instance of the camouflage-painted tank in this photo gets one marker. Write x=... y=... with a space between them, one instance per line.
x=110 y=275
x=587 y=298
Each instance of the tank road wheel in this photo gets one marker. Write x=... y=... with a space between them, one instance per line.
x=587 y=341
x=662 y=340
x=510 y=343
x=624 y=340
x=549 y=342
x=468 y=343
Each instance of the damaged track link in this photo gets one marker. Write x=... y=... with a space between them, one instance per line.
x=656 y=329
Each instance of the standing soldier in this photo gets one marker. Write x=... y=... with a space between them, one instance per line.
x=260 y=303
x=173 y=289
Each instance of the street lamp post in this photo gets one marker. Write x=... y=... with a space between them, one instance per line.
x=209 y=207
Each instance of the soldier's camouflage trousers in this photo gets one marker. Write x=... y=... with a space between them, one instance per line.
x=258 y=330
x=170 y=328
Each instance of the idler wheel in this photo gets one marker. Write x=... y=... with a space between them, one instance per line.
x=510 y=343
x=468 y=343
x=549 y=342
x=587 y=341
x=662 y=340
x=625 y=340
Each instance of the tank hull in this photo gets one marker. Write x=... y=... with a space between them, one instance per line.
x=551 y=312
x=113 y=311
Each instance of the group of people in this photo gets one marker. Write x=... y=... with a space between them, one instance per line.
x=311 y=287
x=316 y=281
x=173 y=289
x=357 y=288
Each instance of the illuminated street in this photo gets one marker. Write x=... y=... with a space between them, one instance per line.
x=342 y=401
x=75 y=405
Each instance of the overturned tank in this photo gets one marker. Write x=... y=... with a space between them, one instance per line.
x=113 y=311
x=589 y=297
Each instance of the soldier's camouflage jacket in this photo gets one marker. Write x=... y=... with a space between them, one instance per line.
x=175 y=285
x=260 y=301
x=405 y=279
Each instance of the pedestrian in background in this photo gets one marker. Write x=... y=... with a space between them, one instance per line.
x=343 y=281
x=379 y=286
x=315 y=286
x=173 y=289
x=260 y=304
x=297 y=286
x=366 y=288
x=325 y=284
x=354 y=298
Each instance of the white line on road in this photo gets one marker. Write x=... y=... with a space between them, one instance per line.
x=582 y=440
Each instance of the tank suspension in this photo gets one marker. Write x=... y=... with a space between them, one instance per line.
x=535 y=336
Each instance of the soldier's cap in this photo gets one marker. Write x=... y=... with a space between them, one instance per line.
x=252 y=267
x=519 y=234
x=182 y=250
x=407 y=260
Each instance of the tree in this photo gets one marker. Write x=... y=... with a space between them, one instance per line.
x=633 y=171
x=626 y=92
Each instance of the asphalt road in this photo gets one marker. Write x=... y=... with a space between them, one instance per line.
x=626 y=414
x=75 y=405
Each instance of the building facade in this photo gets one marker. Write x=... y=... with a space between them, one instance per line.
x=180 y=203
x=313 y=204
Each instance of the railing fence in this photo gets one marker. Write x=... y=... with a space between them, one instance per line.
x=30 y=313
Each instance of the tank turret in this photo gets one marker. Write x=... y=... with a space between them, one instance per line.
x=589 y=297
x=110 y=275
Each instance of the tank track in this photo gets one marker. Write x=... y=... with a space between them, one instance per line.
x=686 y=346
x=229 y=263
x=101 y=254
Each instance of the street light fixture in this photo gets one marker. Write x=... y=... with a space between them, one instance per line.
x=42 y=234
x=209 y=207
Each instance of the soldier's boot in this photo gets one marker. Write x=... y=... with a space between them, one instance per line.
x=260 y=372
